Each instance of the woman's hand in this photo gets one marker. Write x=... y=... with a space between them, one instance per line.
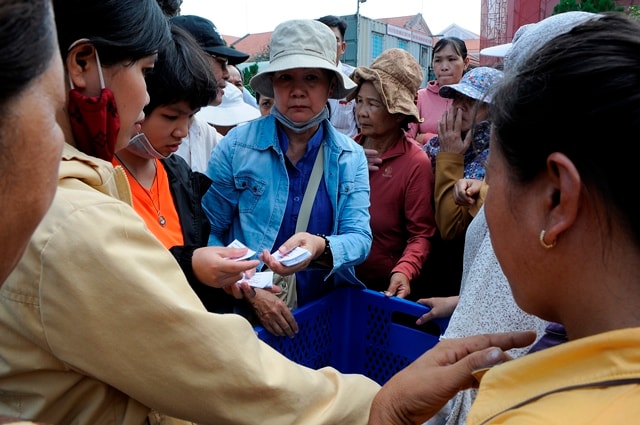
x=212 y=265
x=450 y=132
x=373 y=159
x=440 y=307
x=466 y=192
x=273 y=313
x=312 y=243
x=399 y=286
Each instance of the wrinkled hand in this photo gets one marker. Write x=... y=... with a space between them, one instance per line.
x=450 y=132
x=440 y=307
x=417 y=392
x=211 y=265
x=399 y=286
x=314 y=244
x=273 y=313
x=466 y=192
x=373 y=159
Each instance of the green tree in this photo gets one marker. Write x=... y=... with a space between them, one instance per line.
x=593 y=6
x=247 y=74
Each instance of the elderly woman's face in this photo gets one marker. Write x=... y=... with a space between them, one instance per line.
x=374 y=119
x=301 y=93
x=470 y=109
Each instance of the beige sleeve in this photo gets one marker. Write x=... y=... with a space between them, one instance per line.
x=120 y=313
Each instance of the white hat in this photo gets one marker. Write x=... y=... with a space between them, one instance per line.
x=498 y=51
x=302 y=43
x=531 y=37
x=232 y=111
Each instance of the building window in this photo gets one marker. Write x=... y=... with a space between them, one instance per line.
x=425 y=60
x=403 y=44
x=377 y=43
x=425 y=57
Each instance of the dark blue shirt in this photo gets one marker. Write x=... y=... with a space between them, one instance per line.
x=310 y=283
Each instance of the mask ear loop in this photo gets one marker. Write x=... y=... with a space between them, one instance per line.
x=100 y=76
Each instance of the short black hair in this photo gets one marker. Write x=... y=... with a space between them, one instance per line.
x=121 y=31
x=28 y=33
x=589 y=78
x=456 y=43
x=182 y=74
x=333 y=21
x=170 y=8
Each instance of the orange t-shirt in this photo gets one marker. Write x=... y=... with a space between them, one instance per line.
x=155 y=205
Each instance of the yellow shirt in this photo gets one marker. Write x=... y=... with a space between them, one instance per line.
x=593 y=380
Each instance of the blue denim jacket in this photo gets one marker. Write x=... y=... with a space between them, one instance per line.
x=248 y=196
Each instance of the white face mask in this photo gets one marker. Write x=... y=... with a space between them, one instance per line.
x=300 y=127
x=141 y=146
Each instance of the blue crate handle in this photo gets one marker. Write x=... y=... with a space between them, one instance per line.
x=407 y=312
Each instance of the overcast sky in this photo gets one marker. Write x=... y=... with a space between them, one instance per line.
x=239 y=17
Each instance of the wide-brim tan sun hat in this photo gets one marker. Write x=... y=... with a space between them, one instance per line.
x=302 y=43
x=396 y=76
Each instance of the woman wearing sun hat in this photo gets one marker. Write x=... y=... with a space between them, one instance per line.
x=260 y=172
x=459 y=151
x=469 y=111
x=402 y=218
x=461 y=148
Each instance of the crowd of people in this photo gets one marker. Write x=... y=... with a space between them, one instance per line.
x=124 y=299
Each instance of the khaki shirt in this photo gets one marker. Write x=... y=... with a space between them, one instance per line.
x=99 y=326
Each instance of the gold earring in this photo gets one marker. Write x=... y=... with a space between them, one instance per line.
x=543 y=243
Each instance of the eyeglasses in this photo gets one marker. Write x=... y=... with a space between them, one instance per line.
x=222 y=60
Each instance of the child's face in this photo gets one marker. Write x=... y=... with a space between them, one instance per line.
x=167 y=125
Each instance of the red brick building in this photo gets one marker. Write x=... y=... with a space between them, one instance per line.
x=500 y=19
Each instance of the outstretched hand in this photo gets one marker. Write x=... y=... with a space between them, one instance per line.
x=212 y=265
x=314 y=244
x=439 y=307
x=417 y=392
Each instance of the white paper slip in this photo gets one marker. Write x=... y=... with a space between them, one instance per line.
x=261 y=280
x=237 y=244
x=293 y=257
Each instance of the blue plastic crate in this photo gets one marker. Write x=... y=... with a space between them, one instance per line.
x=358 y=331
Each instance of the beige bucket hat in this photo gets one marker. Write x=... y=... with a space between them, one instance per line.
x=397 y=76
x=302 y=43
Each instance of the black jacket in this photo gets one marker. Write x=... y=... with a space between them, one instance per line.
x=187 y=189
